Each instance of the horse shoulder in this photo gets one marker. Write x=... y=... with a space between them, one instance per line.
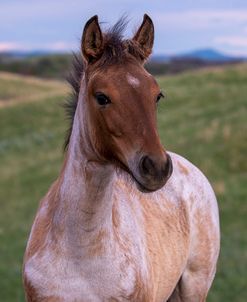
x=195 y=189
x=203 y=217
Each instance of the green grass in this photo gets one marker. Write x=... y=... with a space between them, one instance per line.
x=203 y=119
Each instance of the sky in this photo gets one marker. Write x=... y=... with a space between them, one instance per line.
x=180 y=25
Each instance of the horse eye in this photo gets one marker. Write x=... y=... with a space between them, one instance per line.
x=102 y=99
x=160 y=95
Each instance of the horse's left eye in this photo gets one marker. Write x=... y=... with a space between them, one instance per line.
x=102 y=99
x=160 y=95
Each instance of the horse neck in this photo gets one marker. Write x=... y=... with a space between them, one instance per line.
x=85 y=185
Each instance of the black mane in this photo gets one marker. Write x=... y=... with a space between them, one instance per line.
x=114 y=51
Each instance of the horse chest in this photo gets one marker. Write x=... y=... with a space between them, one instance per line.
x=137 y=257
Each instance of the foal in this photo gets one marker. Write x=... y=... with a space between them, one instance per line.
x=125 y=220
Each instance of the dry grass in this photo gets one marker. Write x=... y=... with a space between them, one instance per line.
x=16 y=89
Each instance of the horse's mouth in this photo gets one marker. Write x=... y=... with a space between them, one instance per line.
x=140 y=186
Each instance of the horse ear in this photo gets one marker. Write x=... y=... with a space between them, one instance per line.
x=144 y=37
x=92 y=40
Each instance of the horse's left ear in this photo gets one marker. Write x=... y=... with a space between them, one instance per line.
x=92 y=40
x=144 y=37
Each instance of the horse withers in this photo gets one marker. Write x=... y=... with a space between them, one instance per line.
x=125 y=220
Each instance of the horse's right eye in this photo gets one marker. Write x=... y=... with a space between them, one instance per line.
x=102 y=99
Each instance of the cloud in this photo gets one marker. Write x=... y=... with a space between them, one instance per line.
x=8 y=46
x=50 y=25
x=236 y=45
x=58 y=46
x=234 y=41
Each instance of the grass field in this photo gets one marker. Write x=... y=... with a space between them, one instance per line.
x=203 y=119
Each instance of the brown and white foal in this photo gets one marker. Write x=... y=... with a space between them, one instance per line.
x=125 y=220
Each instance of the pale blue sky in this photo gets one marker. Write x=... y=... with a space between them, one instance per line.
x=181 y=25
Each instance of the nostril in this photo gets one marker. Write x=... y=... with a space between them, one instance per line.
x=147 y=166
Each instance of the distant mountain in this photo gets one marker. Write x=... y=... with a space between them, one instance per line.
x=210 y=55
x=160 y=58
x=27 y=54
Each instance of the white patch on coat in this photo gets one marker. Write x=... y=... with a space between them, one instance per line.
x=133 y=81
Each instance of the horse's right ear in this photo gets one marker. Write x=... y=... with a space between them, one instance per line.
x=144 y=37
x=92 y=40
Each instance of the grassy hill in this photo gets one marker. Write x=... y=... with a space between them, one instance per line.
x=18 y=89
x=203 y=118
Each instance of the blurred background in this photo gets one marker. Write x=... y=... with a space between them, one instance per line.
x=200 y=60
